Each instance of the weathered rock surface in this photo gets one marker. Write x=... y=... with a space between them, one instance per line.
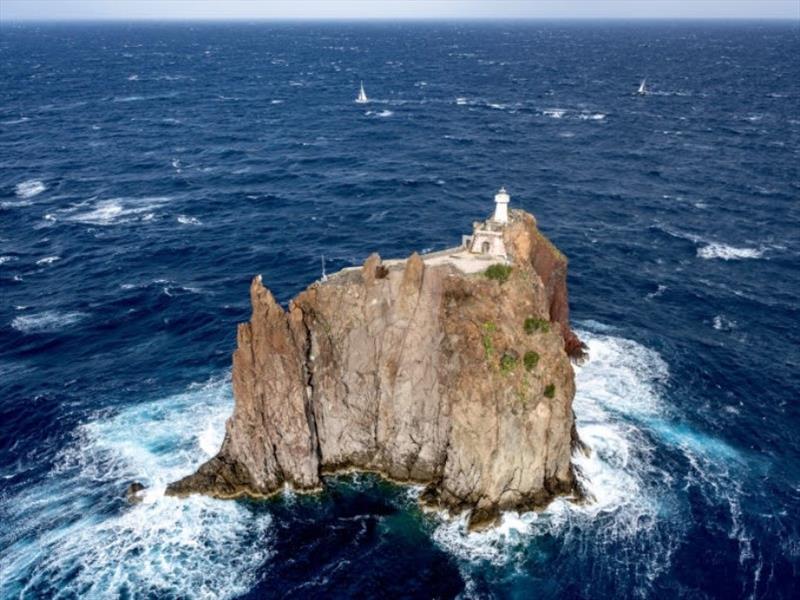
x=419 y=372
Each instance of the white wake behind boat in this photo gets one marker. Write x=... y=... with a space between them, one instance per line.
x=362 y=95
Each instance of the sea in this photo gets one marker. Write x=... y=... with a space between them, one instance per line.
x=149 y=171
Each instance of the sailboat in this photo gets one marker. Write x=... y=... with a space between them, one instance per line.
x=642 y=90
x=362 y=95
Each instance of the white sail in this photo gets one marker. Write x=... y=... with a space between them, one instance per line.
x=362 y=95
x=642 y=90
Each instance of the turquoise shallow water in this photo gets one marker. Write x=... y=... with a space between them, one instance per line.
x=148 y=172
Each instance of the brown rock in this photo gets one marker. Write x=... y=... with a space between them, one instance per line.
x=414 y=372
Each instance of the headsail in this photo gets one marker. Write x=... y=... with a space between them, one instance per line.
x=642 y=90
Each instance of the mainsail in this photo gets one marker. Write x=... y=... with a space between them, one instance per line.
x=362 y=95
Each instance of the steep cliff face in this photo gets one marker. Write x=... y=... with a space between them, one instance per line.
x=420 y=372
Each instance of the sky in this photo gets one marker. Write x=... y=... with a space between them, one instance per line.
x=160 y=10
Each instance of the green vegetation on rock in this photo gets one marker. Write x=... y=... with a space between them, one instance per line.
x=507 y=363
x=534 y=324
x=530 y=360
x=498 y=272
x=550 y=390
x=488 y=346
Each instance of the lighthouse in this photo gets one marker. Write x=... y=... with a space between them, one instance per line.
x=501 y=200
x=487 y=236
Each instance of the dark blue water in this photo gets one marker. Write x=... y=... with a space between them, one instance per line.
x=148 y=172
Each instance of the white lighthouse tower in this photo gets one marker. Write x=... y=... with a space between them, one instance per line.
x=501 y=200
x=487 y=236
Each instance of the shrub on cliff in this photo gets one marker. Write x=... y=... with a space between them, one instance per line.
x=533 y=324
x=530 y=360
x=550 y=390
x=507 y=363
x=498 y=272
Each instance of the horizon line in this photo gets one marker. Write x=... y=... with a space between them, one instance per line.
x=389 y=19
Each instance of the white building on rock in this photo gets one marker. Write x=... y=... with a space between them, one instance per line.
x=487 y=236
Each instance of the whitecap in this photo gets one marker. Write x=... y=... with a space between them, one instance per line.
x=377 y=216
x=659 y=291
x=723 y=251
x=592 y=116
x=15 y=121
x=114 y=211
x=128 y=98
x=5 y=259
x=89 y=544
x=461 y=101
x=48 y=260
x=133 y=77
x=15 y=204
x=722 y=323
x=30 y=188
x=555 y=113
x=49 y=320
x=382 y=113
x=187 y=220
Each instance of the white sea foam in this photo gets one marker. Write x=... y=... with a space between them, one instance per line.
x=659 y=291
x=620 y=379
x=633 y=516
x=128 y=98
x=89 y=545
x=381 y=113
x=5 y=259
x=461 y=101
x=15 y=203
x=555 y=113
x=30 y=188
x=48 y=260
x=592 y=116
x=187 y=220
x=113 y=211
x=15 y=121
x=49 y=320
x=620 y=414
x=711 y=249
x=723 y=323
x=723 y=251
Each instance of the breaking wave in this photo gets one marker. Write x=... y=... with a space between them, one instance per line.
x=725 y=252
x=709 y=249
x=49 y=320
x=194 y=547
x=632 y=516
x=30 y=188
x=112 y=212
x=187 y=220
